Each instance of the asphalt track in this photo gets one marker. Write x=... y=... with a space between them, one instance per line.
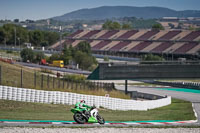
x=179 y=94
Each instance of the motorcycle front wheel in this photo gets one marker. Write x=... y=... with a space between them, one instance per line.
x=79 y=118
x=100 y=119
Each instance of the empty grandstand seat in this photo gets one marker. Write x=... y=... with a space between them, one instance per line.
x=91 y=33
x=186 y=47
x=169 y=35
x=147 y=35
x=75 y=33
x=140 y=46
x=128 y=34
x=108 y=34
x=162 y=47
x=120 y=45
x=100 y=45
x=191 y=36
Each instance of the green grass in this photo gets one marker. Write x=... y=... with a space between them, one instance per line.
x=178 y=110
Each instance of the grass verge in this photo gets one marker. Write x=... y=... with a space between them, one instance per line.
x=11 y=76
x=178 y=110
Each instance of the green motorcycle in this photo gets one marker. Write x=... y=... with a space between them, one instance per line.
x=91 y=116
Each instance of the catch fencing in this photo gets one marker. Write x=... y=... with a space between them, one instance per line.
x=24 y=78
x=56 y=97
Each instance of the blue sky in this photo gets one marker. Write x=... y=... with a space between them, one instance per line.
x=42 y=9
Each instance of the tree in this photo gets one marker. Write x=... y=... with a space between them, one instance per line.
x=66 y=55
x=191 y=28
x=36 y=37
x=105 y=58
x=21 y=33
x=27 y=55
x=65 y=34
x=44 y=44
x=54 y=57
x=126 y=26
x=16 y=20
x=115 y=26
x=81 y=55
x=2 y=35
x=51 y=37
x=157 y=27
x=109 y=25
x=84 y=47
x=84 y=60
x=151 y=57
x=39 y=56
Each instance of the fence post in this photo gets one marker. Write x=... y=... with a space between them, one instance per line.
x=58 y=82
x=63 y=84
x=83 y=84
x=97 y=85
x=35 y=80
x=0 y=76
x=126 y=87
x=53 y=82
x=67 y=84
x=72 y=85
x=42 y=81
x=113 y=85
x=76 y=85
x=21 y=78
x=48 y=81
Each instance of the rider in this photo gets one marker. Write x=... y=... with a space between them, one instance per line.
x=82 y=106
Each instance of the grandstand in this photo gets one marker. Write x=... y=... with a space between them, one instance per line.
x=176 y=42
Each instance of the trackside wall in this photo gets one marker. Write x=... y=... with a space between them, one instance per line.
x=56 y=97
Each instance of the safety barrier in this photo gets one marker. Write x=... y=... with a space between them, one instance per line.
x=189 y=85
x=56 y=97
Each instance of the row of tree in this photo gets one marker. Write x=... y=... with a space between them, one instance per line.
x=110 y=25
x=28 y=55
x=81 y=55
x=13 y=34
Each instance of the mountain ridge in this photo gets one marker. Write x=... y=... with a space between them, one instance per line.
x=109 y=12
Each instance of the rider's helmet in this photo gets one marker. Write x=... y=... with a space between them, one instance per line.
x=82 y=101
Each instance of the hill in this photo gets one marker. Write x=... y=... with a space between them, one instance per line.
x=108 y=12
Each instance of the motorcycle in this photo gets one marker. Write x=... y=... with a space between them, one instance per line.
x=91 y=116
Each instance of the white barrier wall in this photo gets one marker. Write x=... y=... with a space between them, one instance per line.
x=56 y=97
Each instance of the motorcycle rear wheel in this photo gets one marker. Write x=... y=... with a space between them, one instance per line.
x=79 y=118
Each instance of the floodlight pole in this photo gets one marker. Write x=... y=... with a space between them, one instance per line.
x=60 y=36
x=15 y=36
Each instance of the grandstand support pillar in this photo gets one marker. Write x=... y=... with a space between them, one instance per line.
x=126 y=86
